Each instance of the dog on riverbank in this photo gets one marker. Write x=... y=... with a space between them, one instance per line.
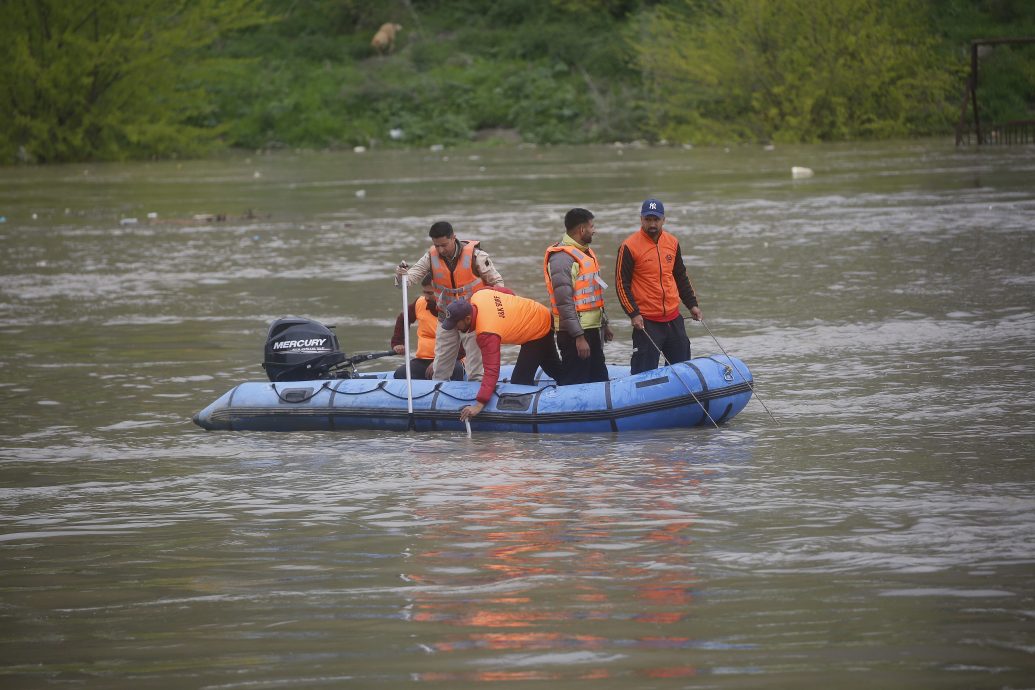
x=384 y=40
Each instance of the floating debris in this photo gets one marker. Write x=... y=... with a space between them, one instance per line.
x=798 y=172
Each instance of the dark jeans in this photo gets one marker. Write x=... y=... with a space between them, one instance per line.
x=419 y=370
x=670 y=336
x=540 y=352
x=573 y=368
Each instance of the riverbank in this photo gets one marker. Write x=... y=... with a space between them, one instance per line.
x=574 y=73
x=258 y=74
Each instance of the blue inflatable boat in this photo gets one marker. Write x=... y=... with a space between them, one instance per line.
x=702 y=391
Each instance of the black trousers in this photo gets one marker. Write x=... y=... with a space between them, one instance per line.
x=540 y=352
x=419 y=370
x=573 y=368
x=670 y=336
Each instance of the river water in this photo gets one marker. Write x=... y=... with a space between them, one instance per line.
x=879 y=532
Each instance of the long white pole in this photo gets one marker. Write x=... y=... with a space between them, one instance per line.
x=406 y=344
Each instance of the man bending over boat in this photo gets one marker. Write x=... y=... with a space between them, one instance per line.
x=423 y=312
x=576 y=290
x=458 y=268
x=499 y=317
x=651 y=280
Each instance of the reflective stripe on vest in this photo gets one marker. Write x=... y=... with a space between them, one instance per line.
x=588 y=294
x=458 y=283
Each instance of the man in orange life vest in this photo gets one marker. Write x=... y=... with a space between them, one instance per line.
x=423 y=312
x=499 y=317
x=651 y=280
x=576 y=291
x=458 y=268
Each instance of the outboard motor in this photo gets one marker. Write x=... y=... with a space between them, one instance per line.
x=301 y=350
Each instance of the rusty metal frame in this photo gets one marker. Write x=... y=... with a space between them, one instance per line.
x=971 y=92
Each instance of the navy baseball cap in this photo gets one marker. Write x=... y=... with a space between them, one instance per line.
x=456 y=311
x=652 y=207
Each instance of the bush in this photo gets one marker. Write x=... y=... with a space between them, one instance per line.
x=794 y=70
x=111 y=80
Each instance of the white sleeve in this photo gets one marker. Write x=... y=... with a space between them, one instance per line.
x=418 y=270
x=484 y=269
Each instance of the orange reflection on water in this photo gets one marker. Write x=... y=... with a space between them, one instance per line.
x=485 y=676
x=591 y=674
x=672 y=532
x=510 y=558
x=630 y=571
x=486 y=618
x=660 y=617
x=537 y=641
x=671 y=672
x=670 y=595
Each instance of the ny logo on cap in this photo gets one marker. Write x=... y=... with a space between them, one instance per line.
x=653 y=206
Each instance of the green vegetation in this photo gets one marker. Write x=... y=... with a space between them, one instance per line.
x=796 y=70
x=112 y=79
x=1007 y=73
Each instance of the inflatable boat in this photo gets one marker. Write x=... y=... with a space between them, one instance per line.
x=702 y=391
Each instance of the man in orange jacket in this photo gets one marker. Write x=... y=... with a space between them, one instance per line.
x=499 y=317
x=651 y=280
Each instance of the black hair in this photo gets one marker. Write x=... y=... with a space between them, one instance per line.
x=441 y=229
x=576 y=217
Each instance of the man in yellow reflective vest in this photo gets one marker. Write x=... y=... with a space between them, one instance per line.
x=576 y=291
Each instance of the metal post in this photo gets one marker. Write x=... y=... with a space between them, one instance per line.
x=973 y=88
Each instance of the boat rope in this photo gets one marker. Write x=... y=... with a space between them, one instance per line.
x=436 y=388
x=299 y=400
x=458 y=398
x=727 y=370
x=381 y=386
x=685 y=385
x=753 y=391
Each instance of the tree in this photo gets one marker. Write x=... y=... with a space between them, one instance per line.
x=794 y=70
x=110 y=79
